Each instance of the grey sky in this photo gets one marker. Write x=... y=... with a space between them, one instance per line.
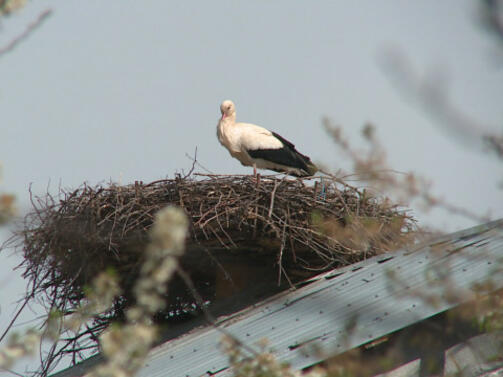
x=122 y=90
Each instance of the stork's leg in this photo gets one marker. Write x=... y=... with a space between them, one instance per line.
x=255 y=175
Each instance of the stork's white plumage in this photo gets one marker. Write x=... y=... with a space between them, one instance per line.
x=258 y=147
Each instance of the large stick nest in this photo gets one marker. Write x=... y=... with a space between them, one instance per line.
x=238 y=230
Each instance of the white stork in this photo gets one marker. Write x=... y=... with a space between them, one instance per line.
x=255 y=146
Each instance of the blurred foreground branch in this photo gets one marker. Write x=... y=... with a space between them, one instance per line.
x=124 y=357
x=430 y=94
x=7 y=7
x=26 y=33
x=7 y=205
x=491 y=12
x=372 y=167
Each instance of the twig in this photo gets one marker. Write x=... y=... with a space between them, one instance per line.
x=26 y=33
x=280 y=255
x=273 y=193
x=194 y=162
x=13 y=320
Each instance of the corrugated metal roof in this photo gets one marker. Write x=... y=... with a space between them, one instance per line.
x=476 y=356
x=345 y=308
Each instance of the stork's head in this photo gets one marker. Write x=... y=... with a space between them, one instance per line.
x=227 y=109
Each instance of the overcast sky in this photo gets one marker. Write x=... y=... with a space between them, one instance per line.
x=123 y=90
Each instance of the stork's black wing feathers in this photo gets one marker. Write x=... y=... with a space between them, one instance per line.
x=287 y=156
x=290 y=145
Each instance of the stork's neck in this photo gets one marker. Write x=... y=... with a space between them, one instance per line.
x=229 y=119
